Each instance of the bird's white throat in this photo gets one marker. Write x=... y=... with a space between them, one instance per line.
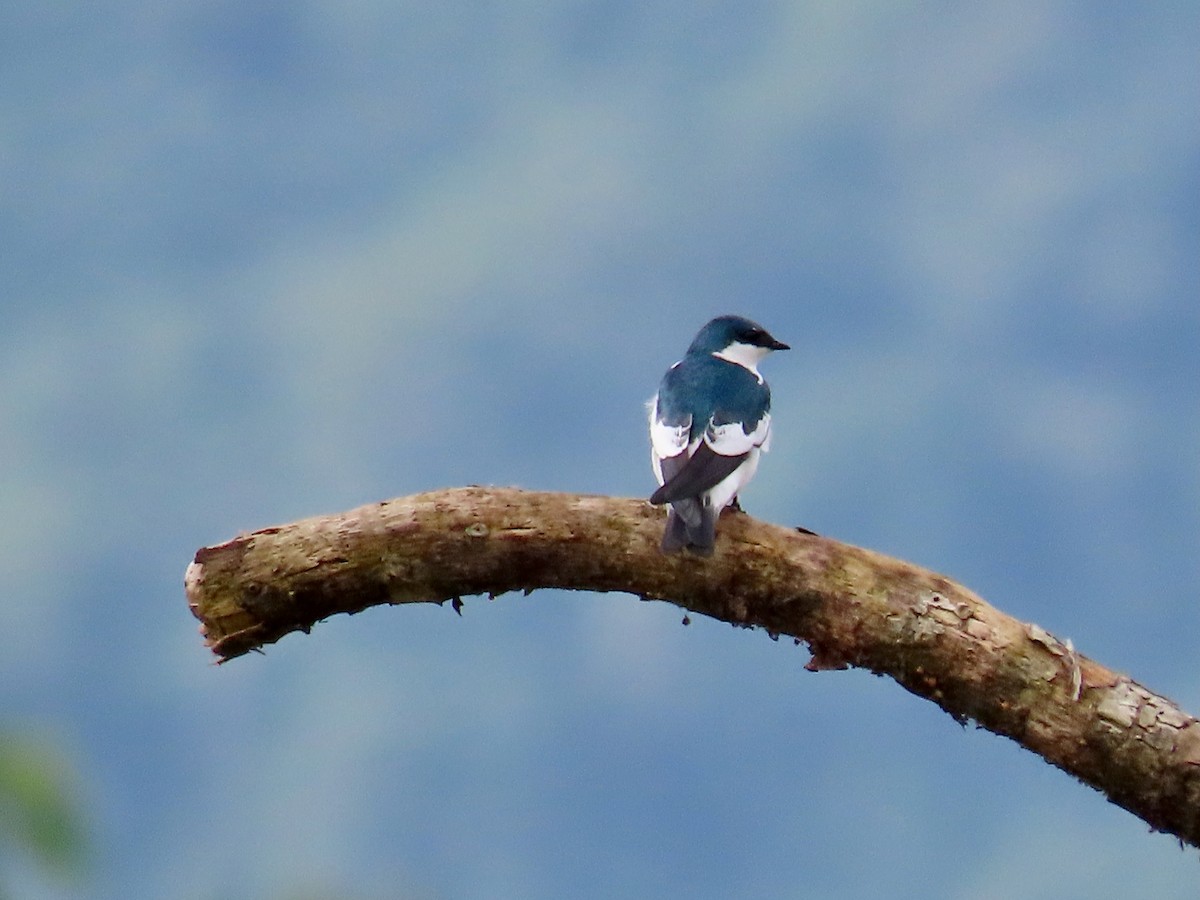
x=748 y=356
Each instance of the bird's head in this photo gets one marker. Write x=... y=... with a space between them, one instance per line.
x=737 y=339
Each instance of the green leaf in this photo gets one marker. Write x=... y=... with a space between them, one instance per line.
x=39 y=808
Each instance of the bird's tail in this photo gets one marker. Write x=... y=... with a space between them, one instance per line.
x=692 y=525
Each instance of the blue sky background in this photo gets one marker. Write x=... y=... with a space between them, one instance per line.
x=266 y=260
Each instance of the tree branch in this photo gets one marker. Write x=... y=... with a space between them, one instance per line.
x=851 y=606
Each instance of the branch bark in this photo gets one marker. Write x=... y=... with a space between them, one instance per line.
x=851 y=606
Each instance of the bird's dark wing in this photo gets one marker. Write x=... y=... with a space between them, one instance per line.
x=688 y=476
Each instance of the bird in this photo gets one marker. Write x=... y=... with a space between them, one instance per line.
x=709 y=422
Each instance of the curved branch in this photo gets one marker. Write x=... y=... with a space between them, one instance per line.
x=853 y=607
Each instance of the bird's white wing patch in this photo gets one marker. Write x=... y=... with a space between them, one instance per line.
x=667 y=440
x=730 y=440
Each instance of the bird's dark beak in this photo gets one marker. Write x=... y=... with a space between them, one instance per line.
x=778 y=345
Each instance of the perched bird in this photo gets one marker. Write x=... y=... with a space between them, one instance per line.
x=709 y=421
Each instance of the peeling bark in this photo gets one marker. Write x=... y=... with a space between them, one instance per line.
x=851 y=606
